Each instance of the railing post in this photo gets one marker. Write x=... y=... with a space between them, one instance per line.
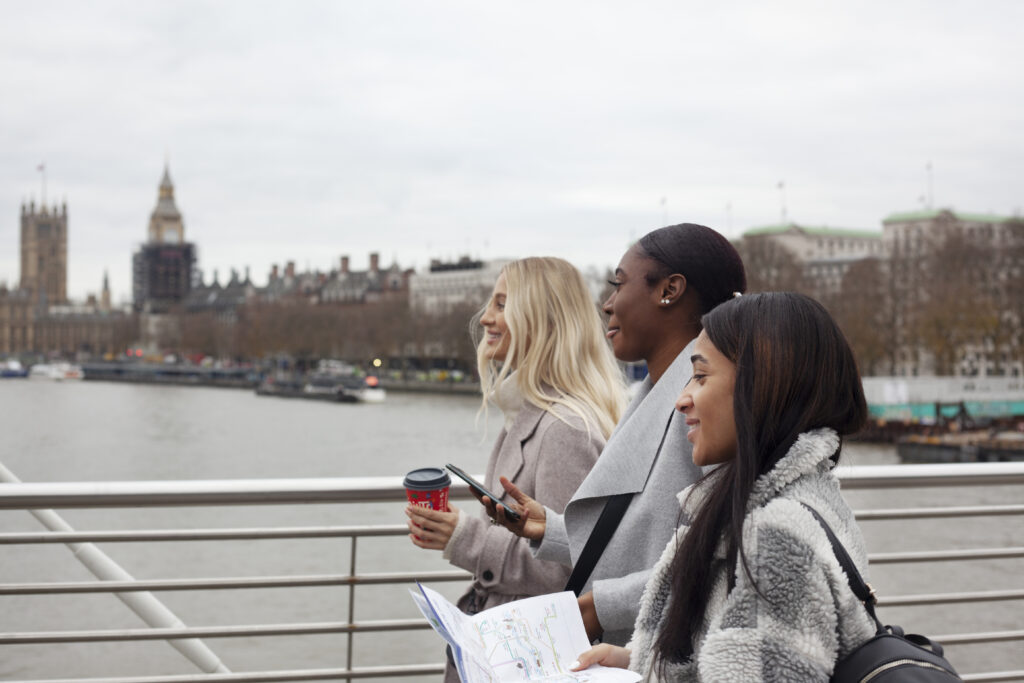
x=351 y=607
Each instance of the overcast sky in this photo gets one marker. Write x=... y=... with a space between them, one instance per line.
x=308 y=130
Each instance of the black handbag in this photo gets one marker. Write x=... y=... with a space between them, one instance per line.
x=892 y=655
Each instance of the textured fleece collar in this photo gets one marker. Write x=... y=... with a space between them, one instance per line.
x=809 y=453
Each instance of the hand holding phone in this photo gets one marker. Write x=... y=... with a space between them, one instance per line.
x=479 y=489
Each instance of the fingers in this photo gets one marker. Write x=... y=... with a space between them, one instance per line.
x=514 y=491
x=429 y=514
x=589 y=658
x=604 y=654
x=426 y=538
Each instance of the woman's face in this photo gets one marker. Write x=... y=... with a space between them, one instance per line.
x=632 y=308
x=497 y=337
x=707 y=403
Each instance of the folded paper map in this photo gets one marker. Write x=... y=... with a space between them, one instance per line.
x=534 y=639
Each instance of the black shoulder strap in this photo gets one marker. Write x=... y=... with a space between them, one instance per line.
x=857 y=583
x=602 y=532
x=606 y=525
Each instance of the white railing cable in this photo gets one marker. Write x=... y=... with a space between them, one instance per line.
x=145 y=605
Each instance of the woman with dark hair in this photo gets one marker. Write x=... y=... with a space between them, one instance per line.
x=750 y=588
x=663 y=285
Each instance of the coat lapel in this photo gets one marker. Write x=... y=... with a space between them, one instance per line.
x=627 y=459
x=509 y=458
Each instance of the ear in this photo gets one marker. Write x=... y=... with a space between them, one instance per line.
x=672 y=288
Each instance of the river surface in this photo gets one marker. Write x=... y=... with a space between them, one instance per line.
x=92 y=431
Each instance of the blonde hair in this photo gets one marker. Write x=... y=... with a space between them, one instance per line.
x=557 y=339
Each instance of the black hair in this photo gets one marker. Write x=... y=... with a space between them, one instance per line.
x=708 y=261
x=795 y=372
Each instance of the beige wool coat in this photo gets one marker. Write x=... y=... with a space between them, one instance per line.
x=546 y=458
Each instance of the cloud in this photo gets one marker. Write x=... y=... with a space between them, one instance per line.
x=305 y=131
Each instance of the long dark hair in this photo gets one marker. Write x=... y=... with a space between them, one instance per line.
x=708 y=261
x=794 y=372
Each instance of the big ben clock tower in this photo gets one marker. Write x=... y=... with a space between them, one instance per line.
x=165 y=226
x=162 y=268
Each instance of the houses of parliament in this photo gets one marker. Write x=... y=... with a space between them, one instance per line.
x=37 y=317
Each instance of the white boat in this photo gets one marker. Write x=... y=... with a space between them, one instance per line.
x=56 y=371
x=12 y=368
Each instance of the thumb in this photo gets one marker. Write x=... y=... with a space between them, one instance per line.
x=591 y=656
x=514 y=491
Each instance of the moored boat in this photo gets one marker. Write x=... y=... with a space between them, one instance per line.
x=981 y=446
x=12 y=369
x=56 y=371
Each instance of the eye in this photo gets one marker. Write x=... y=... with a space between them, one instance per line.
x=699 y=378
x=615 y=283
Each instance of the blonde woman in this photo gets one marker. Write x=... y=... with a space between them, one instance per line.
x=545 y=363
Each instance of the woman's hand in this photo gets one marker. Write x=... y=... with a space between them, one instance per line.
x=431 y=529
x=532 y=518
x=589 y=613
x=603 y=654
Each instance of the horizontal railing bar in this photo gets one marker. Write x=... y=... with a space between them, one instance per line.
x=946 y=555
x=390 y=489
x=47 y=637
x=969 y=638
x=400 y=670
x=275 y=533
x=249 y=534
x=939 y=513
x=380 y=626
x=949 y=598
x=300 y=581
x=921 y=476
x=197 y=493
x=995 y=676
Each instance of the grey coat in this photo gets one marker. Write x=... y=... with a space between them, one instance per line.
x=647 y=454
x=547 y=459
x=804 y=615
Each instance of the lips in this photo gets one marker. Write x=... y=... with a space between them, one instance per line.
x=693 y=425
x=612 y=331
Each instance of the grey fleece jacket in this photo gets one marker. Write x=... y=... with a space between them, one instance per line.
x=808 y=616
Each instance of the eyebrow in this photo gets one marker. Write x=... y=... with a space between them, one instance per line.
x=698 y=358
x=618 y=271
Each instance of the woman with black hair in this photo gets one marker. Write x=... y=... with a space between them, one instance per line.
x=750 y=589
x=662 y=287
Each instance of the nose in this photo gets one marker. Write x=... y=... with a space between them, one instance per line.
x=684 y=402
x=487 y=318
x=607 y=305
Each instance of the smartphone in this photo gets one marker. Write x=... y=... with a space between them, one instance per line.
x=479 y=488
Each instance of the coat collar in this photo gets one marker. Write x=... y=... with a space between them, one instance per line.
x=811 y=452
x=633 y=447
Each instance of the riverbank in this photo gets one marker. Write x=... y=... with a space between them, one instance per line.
x=241 y=377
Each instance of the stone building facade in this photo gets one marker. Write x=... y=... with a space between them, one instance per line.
x=44 y=253
x=447 y=285
x=824 y=254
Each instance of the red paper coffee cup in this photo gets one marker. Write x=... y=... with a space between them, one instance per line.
x=428 y=487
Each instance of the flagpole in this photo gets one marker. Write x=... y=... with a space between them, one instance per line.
x=42 y=169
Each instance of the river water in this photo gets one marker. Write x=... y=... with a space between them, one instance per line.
x=90 y=431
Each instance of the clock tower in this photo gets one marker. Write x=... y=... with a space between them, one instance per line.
x=165 y=225
x=162 y=268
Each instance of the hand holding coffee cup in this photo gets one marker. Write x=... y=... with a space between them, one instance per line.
x=432 y=520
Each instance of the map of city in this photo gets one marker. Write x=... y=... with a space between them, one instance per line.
x=533 y=639
x=520 y=650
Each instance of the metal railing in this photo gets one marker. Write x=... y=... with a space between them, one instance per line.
x=35 y=496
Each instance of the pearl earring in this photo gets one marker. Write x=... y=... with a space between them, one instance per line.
x=666 y=302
